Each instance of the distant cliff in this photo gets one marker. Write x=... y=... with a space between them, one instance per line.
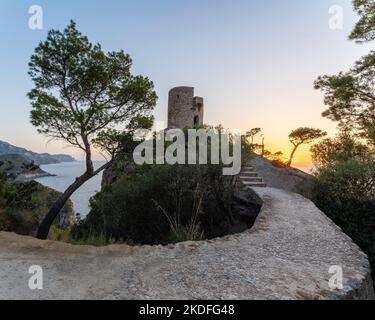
x=38 y=158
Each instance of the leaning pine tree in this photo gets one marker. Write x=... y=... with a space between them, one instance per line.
x=302 y=136
x=83 y=95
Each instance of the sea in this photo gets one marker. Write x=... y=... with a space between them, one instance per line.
x=65 y=174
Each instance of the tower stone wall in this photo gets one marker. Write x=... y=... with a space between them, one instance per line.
x=184 y=110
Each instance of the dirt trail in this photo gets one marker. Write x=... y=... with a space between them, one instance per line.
x=287 y=255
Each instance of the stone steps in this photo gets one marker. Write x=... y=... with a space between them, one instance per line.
x=250 y=178
x=249 y=174
x=254 y=184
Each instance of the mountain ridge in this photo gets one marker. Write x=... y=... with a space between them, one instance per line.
x=38 y=158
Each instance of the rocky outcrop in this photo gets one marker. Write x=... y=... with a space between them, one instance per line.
x=246 y=205
x=285 y=178
x=113 y=173
x=67 y=217
x=16 y=165
x=286 y=255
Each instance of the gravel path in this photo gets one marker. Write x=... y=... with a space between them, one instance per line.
x=287 y=255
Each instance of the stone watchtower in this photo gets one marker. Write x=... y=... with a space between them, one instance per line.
x=184 y=110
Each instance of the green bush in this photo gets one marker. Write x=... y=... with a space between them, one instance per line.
x=164 y=204
x=23 y=205
x=161 y=204
x=346 y=193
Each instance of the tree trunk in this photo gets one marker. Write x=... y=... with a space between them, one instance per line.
x=292 y=155
x=89 y=164
x=54 y=211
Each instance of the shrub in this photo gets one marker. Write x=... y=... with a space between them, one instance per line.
x=346 y=193
x=23 y=205
x=167 y=203
x=343 y=148
x=161 y=204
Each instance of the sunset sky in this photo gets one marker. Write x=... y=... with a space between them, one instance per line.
x=253 y=61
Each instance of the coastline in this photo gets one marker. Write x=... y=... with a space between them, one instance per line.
x=64 y=174
x=39 y=173
x=25 y=177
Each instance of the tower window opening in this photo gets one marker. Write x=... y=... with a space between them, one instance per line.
x=196 y=120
